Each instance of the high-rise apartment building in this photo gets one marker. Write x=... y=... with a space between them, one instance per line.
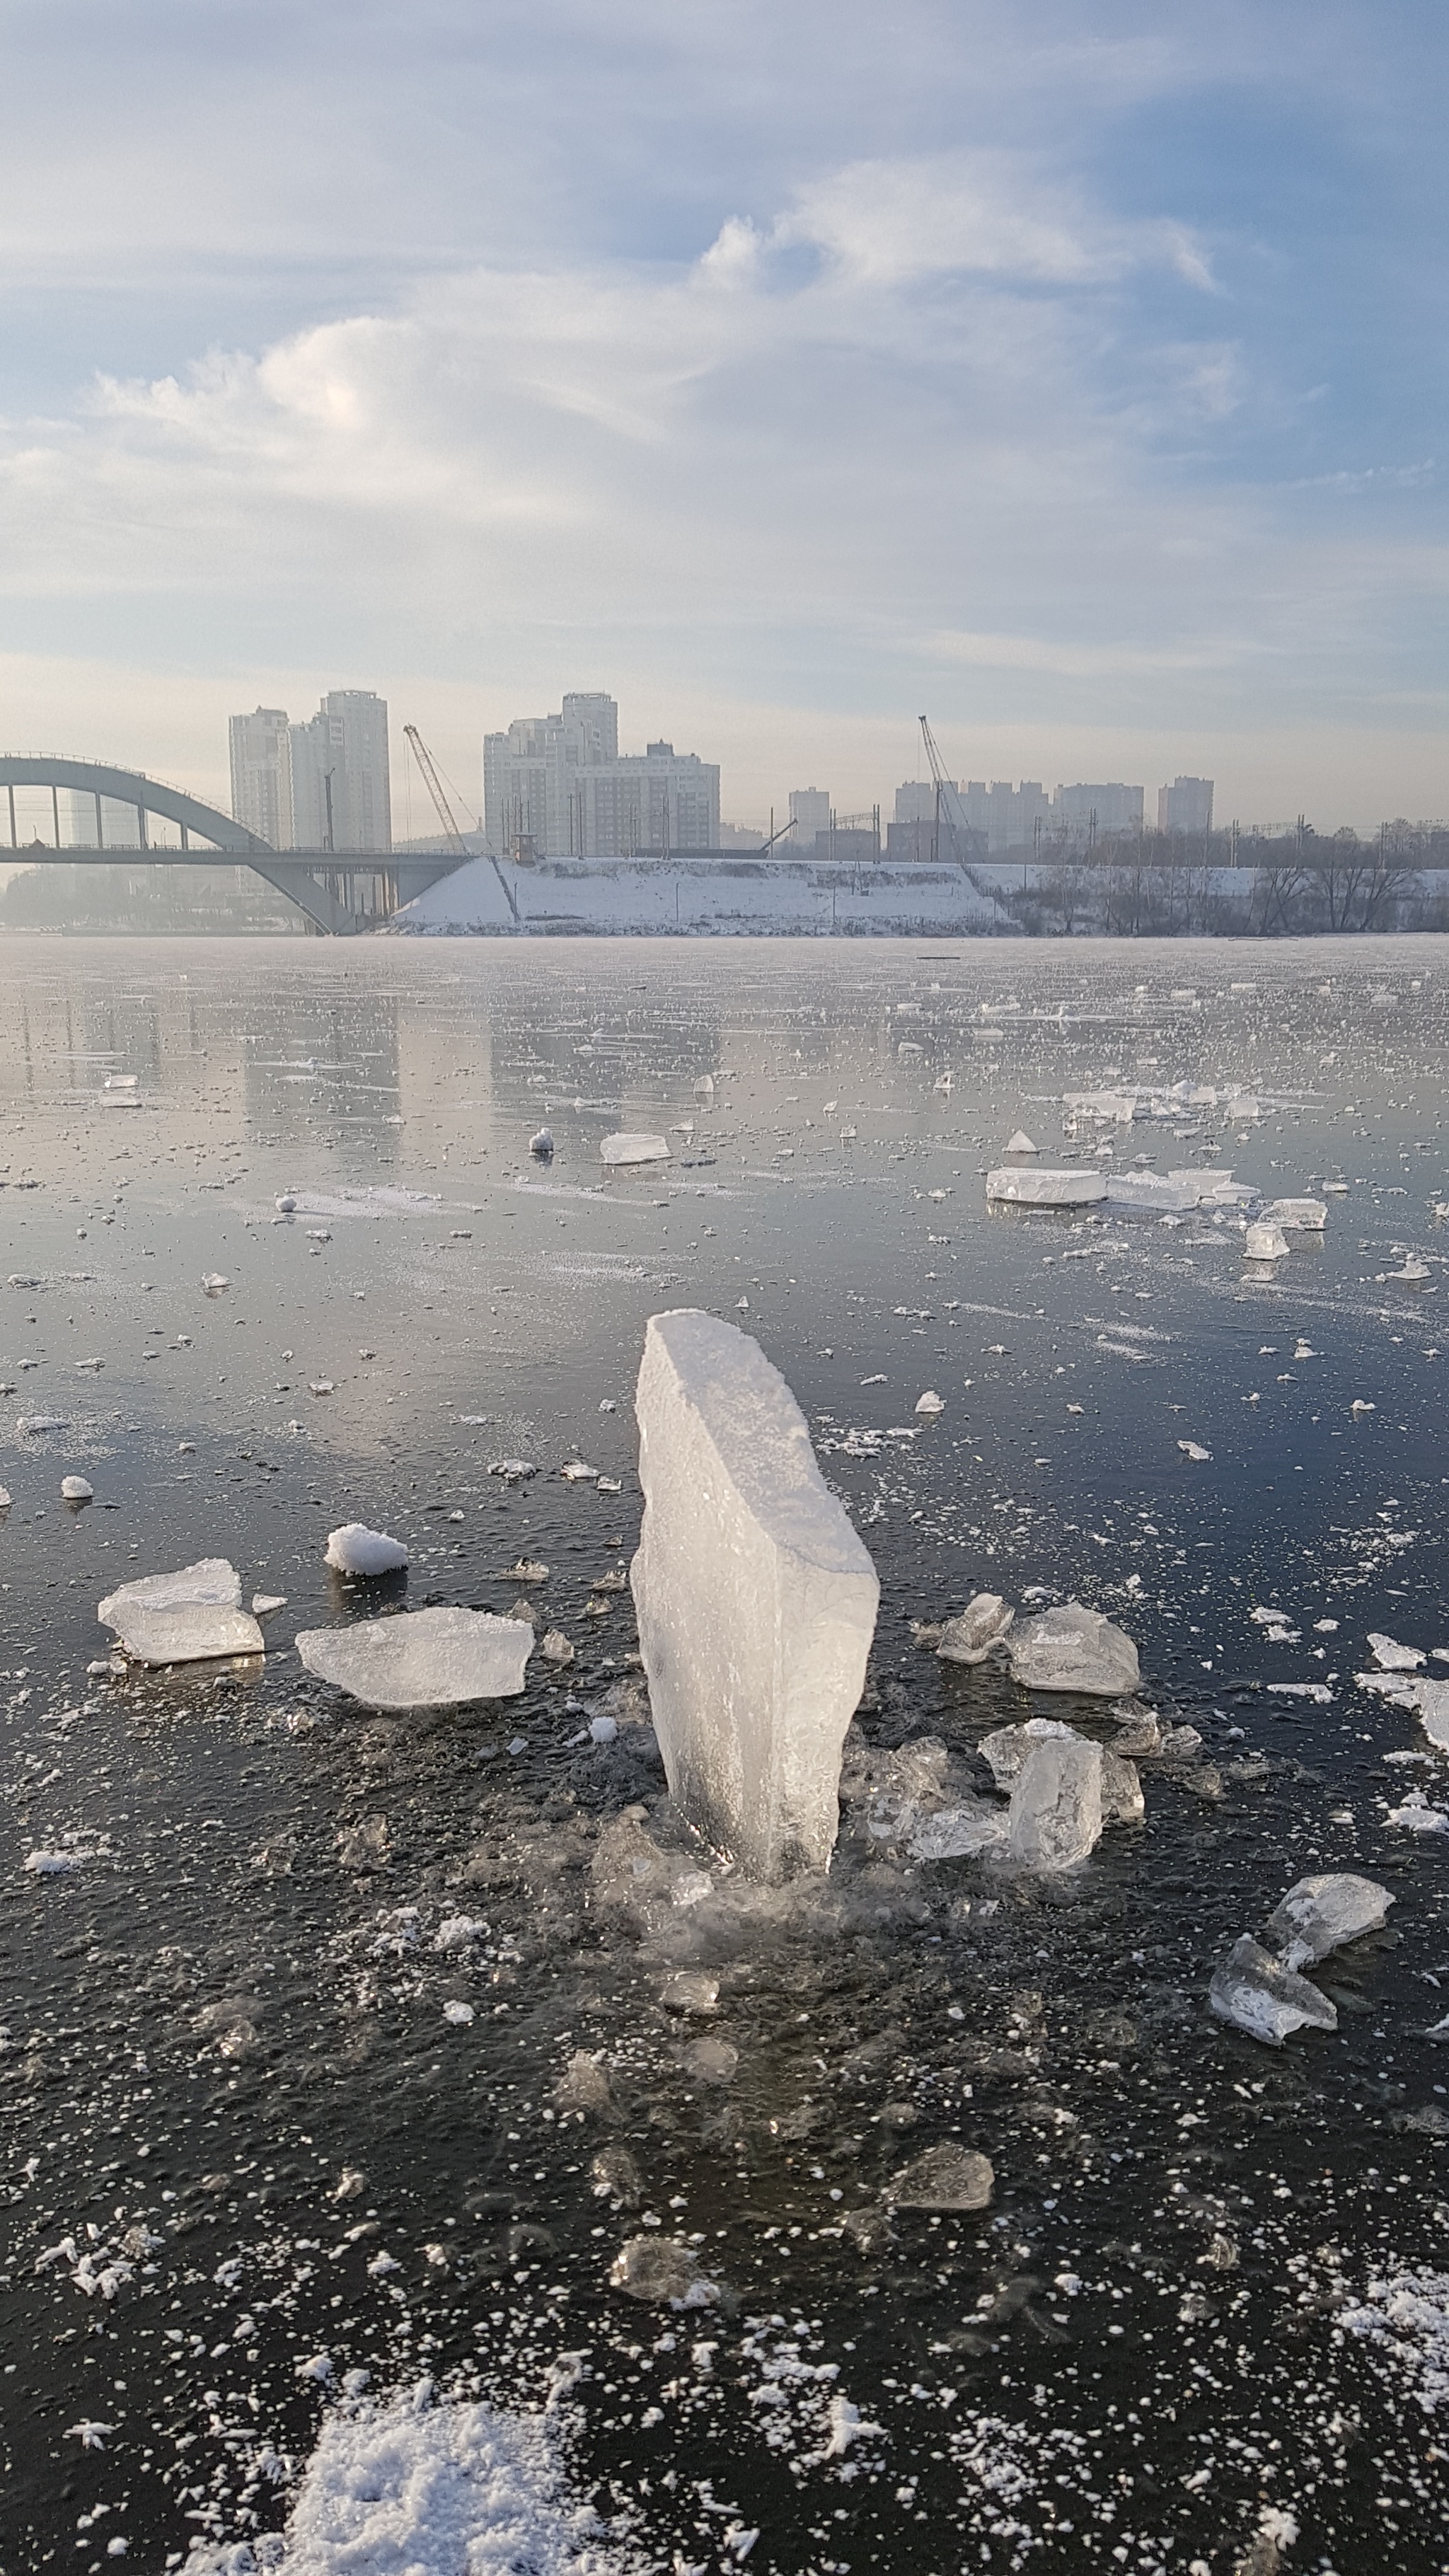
x=341 y=783
x=1083 y=810
x=261 y=775
x=558 y=786
x=323 y=785
x=809 y=816
x=1185 y=806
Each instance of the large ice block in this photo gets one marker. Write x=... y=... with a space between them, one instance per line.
x=189 y=1617
x=422 y=1658
x=1056 y=1804
x=1322 y=1913
x=1012 y=1187
x=1258 y=1994
x=1071 y=1648
x=755 y=1597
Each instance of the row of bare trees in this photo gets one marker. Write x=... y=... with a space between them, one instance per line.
x=1295 y=884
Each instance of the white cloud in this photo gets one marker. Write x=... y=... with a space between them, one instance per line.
x=988 y=213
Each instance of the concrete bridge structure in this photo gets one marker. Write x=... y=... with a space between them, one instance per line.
x=339 y=891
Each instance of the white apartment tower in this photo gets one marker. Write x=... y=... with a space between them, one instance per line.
x=557 y=784
x=1185 y=806
x=341 y=785
x=809 y=816
x=261 y=775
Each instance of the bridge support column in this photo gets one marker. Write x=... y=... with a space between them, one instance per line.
x=100 y=833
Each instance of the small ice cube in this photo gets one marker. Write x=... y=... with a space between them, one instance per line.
x=1265 y=1243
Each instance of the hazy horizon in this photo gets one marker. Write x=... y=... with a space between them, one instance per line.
x=782 y=372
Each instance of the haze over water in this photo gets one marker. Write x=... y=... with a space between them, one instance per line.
x=234 y=1999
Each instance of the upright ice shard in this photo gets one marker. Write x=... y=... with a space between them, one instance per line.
x=756 y=1599
x=1056 y=1804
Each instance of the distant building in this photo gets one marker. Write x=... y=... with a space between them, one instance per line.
x=809 y=816
x=341 y=782
x=1007 y=815
x=559 y=786
x=261 y=775
x=1083 y=811
x=1186 y=806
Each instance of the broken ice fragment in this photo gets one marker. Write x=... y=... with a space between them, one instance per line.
x=1265 y=1243
x=1020 y=1143
x=364 y=1553
x=264 y=1603
x=578 y=1472
x=756 y=1599
x=1320 y=1914
x=214 y=1281
x=622 y=1149
x=1013 y=1187
x=1195 y=1450
x=541 y=1145
x=75 y=1489
x=556 y=1647
x=1071 y=1648
x=711 y=2061
x=959 y=1833
x=528 y=1570
x=660 y=2269
x=458 y=2013
x=690 y=1990
x=1306 y=1216
x=584 y=2084
x=946 y=2177
x=514 y=1470
x=981 y=1625
x=1056 y=1804
x=1257 y=1994
x=422 y=1658
x=930 y=1402
x=1392 y=1657
x=191 y=1634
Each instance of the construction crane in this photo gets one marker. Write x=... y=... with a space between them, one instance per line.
x=946 y=797
x=455 y=840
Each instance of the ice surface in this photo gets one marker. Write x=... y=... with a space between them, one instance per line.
x=1056 y=1804
x=970 y=1638
x=1391 y=1657
x=422 y=1658
x=1265 y=1243
x=192 y=1634
x=1321 y=1914
x=1151 y=1190
x=1045 y=1189
x=1258 y=1994
x=755 y=1597
x=1306 y=1216
x=634 y=1149
x=1071 y=1648
x=356 y=1550
x=946 y=2177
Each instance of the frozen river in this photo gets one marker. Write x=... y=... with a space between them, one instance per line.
x=339 y=2044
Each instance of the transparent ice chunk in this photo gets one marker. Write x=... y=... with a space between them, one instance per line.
x=622 y=1149
x=422 y=1658
x=1320 y=1914
x=1265 y=1242
x=1071 y=1648
x=1016 y=1188
x=190 y=1635
x=1304 y=1216
x=756 y=1599
x=981 y=1625
x=1259 y=1995
x=1056 y=1803
x=945 y=2177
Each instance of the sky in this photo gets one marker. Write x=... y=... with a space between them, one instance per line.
x=786 y=367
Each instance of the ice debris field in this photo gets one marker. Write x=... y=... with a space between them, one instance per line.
x=725 y=1761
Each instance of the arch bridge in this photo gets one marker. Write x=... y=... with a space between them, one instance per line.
x=340 y=891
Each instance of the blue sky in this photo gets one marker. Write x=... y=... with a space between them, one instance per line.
x=1075 y=374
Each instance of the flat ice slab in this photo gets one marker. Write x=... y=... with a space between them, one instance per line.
x=946 y=2177
x=1321 y=1914
x=1151 y=1190
x=1016 y=1188
x=756 y=1598
x=634 y=1149
x=1307 y=1216
x=190 y=1617
x=422 y=1658
x=1074 y=1649
x=1256 y=1993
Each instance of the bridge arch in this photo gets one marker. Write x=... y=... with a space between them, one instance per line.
x=340 y=891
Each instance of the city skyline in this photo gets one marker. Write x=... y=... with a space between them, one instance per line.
x=1079 y=386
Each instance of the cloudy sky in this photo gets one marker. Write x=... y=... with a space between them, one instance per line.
x=786 y=366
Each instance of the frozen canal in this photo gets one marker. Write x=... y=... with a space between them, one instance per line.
x=346 y=2052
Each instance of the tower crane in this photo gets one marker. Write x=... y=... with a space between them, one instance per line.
x=946 y=797
x=455 y=840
